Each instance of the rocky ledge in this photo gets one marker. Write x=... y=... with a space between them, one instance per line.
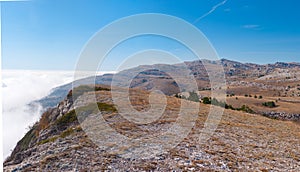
x=282 y=116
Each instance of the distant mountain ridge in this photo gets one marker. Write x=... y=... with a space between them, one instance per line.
x=151 y=78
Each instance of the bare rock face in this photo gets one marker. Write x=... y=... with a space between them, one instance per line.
x=242 y=142
x=282 y=116
x=38 y=132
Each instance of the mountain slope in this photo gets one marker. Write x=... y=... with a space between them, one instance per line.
x=242 y=142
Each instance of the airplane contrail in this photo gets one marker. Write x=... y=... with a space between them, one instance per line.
x=210 y=11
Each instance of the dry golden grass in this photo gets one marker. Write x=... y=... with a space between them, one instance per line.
x=256 y=104
x=241 y=141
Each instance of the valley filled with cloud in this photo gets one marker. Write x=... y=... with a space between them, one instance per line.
x=19 y=88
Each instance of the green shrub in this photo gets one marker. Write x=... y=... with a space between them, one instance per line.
x=98 y=88
x=269 y=104
x=229 y=107
x=260 y=97
x=206 y=100
x=214 y=101
x=246 y=109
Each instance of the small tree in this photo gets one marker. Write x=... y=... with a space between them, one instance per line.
x=206 y=100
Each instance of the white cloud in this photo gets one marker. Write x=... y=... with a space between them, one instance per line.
x=211 y=11
x=20 y=88
x=251 y=26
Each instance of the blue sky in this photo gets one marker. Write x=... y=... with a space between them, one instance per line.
x=50 y=34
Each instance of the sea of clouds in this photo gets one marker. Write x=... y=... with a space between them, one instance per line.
x=19 y=88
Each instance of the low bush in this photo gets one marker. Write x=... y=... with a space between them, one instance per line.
x=270 y=104
x=206 y=100
x=246 y=109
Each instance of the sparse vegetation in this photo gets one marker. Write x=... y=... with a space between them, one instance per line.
x=43 y=123
x=246 y=109
x=71 y=117
x=67 y=132
x=214 y=101
x=26 y=140
x=64 y=134
x=66 y=119
x=106 y=107
x=51 y=139
x=193 y=97
x=80 y=90
x=180 y=96
x=92 y=109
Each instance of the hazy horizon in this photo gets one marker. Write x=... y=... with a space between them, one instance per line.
x=72 y=70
